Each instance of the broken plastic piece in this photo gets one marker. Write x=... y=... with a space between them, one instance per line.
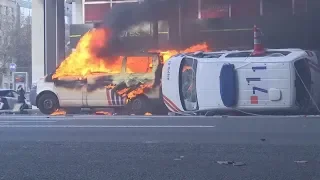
x=238 y=164
x=225 y=162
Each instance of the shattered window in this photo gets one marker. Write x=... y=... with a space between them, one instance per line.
x=139 y=64
x=188 y=91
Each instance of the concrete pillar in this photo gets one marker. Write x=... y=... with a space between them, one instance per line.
x=37 y=39
x=50 y=25
x=60 y=37
x=77 y=12
x=47 y=36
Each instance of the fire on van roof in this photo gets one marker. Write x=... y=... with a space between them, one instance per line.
x=86 y=58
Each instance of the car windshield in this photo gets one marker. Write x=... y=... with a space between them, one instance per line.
x=188 y=91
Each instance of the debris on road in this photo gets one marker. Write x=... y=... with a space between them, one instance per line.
x=301 y=162
x=231 y=163
x=225 y=162
x=179 y=159
x=238 y=164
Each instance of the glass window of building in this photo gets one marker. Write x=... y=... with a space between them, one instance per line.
x=214 y=9
x=245 y=8
x=277 y=8
x=96 y=12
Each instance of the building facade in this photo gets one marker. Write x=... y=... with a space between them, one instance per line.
x=225 y=23
x=25 y=7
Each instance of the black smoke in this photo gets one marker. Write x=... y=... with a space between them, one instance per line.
x=125 y=15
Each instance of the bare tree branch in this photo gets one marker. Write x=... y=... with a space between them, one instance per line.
x=15 y=43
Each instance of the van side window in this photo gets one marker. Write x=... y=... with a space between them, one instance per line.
x=318 y=56
x=303 y=82
x=139 y=64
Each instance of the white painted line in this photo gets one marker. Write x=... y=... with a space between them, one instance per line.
x=74 y=118
x=96 y=126
x=27 y=121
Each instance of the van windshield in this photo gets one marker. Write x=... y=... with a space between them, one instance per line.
x=187 y=84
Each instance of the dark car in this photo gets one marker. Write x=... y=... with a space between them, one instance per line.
x=8 y=98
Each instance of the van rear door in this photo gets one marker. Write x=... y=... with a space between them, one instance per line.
x=142 y=70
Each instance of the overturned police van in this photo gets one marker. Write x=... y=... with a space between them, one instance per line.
x=266 y=81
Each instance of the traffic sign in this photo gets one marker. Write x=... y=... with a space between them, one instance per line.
x=12 y=67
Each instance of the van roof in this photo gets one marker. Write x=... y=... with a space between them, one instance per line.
x=246 y=55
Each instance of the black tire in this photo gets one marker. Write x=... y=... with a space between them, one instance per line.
x=139 y=105
x=48 y=103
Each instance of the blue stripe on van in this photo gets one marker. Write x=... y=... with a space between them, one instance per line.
x=120 y=100
x=253 y=79
x=259 y=68
x=115 y=95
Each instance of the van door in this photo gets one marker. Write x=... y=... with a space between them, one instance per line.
x=70 y=92
x=100 y=91
x=142 y=69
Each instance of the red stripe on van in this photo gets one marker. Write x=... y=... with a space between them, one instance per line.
x=171 y=103
x=169 y=106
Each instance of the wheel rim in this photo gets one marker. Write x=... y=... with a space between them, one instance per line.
x=136 y=105
x=48 y=103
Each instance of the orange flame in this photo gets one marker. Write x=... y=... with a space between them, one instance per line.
x=140 y=90
x=169 y=53
x=122 y=91
x=84 y=60
x=59 y=112
x=103 y=113
x=148 y=114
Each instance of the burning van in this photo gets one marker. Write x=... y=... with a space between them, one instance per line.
x=133 y=83
x=88 y=78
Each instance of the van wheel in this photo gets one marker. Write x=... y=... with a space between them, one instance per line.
x=139 y=105
x=48 y=103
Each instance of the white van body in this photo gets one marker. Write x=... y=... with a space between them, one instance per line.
x=265 y=83
x=105 y=90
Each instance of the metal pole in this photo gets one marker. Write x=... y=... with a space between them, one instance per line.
x=261 y=7
x=306 y=6
x=199 y=9
x=293 y=6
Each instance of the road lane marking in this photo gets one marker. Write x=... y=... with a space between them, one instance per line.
x=26 y=121
x=96 y=126
x=68 y=118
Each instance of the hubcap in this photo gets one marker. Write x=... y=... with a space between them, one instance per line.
x=136 y=104
x=48 y=104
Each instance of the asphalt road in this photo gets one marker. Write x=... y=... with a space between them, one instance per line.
x=149 y=147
